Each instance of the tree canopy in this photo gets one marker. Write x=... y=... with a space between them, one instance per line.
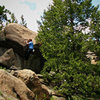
x=64 y=46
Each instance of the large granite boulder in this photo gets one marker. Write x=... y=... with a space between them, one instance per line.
x=14 y=36
x=19 y=33
x=14 y=86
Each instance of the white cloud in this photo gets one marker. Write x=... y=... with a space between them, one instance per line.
x=30 y=15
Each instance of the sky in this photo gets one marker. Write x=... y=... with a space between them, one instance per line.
x=31 y=9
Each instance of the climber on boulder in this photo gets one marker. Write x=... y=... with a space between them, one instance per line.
x=30 y=46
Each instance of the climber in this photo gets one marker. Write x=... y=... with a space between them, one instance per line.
x=30 y=46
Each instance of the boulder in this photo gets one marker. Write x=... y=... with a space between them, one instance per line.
x=14 y=86
x=14 y=36
x=33 y=83
x=19 y=33
x=8 y=58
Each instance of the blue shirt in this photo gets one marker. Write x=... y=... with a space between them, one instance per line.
x=31 y=46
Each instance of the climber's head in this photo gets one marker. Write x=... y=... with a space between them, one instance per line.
x=29 y=40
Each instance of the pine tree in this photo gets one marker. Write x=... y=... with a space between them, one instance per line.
x=95 y=31
x=13 y=19
x=3 y=16
x=6 y=17
x=23 y=22
x=64 y=47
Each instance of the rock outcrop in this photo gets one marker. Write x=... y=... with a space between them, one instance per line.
x=24 y=85
x=8 y=58
x=20 y=81
x=33 y=83
x=14 y=36
x=19 y=33
x=14 y=86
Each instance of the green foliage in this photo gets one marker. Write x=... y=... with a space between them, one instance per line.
x=12 y=19
x=6 y=17
x=3 y=16
x=98 y=62
x=64 y=47
x=23 y=22
x=51 y=98
x=9 y=99
x=75 y=79
x=95 y=31
x=2 y=68
x=0 y=93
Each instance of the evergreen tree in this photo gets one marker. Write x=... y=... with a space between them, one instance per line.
x=6 y=17
x=13 y=19
x=3 y=16
x=23 y=22
x=64 y=47
x=95 y=31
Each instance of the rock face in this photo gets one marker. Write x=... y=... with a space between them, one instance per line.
x=8 y=58
x=14 y=87
x=24 y=85
x=33 y=83
x=14 y=36
x=18 y=33
x=41 y=91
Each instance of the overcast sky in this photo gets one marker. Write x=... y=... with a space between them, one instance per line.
x=31 y=9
